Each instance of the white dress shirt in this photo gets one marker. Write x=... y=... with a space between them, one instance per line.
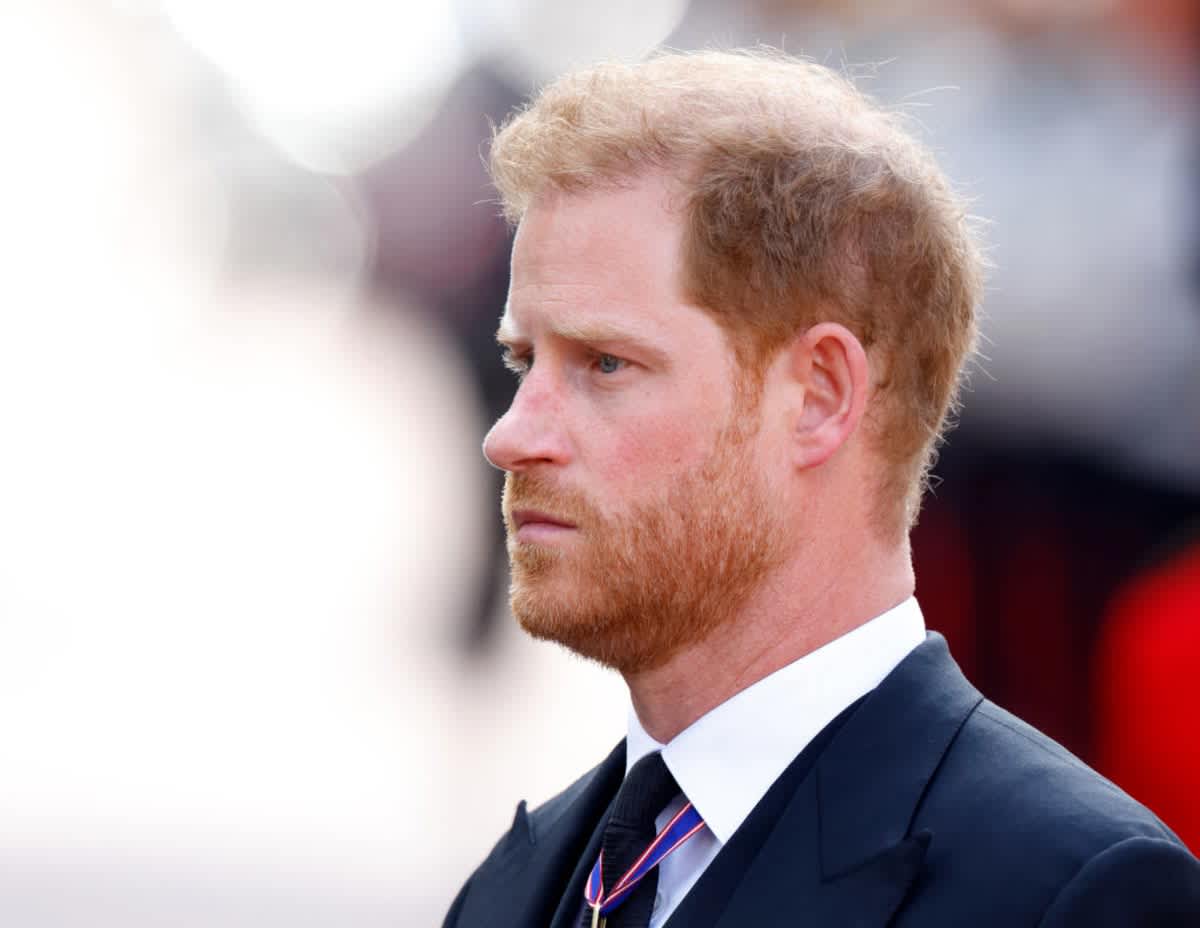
x=726 y=760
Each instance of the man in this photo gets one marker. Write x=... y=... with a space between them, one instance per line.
x=741 y=300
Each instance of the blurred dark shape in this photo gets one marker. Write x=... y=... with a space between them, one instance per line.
x=440 y=236
x=1045 y=540
x=946 y=578
x=1146 y=689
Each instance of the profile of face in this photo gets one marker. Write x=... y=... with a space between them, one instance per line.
x=639 y=514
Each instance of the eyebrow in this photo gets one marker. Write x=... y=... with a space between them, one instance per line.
x=589 y=332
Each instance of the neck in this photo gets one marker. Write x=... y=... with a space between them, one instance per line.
x=787 y=618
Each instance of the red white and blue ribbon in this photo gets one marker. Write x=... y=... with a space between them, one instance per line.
x=687 y=822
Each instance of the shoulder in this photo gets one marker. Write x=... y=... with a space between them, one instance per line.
x=1019 y=822
x=1041 y=789
x=1136 y=881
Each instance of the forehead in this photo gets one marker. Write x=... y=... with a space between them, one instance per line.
x=608 y=253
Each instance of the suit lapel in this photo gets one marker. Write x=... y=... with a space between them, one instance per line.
x=569 y=906
x=522 y=883
x=842 y=852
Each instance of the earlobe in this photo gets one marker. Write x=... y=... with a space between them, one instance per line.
x=831 y=367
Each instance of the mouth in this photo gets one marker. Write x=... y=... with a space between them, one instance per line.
x=523 y=517
x=533 y=525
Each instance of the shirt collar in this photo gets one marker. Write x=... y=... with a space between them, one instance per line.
x=726 y=760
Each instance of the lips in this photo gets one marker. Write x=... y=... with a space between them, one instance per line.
x=535 y=517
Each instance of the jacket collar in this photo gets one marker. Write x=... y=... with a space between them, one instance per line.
x=727 y=760
x=873 y=775
x=842 y=852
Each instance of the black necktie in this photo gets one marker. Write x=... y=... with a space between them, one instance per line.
x=645 y=792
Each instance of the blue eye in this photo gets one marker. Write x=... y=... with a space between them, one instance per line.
x=609 y=364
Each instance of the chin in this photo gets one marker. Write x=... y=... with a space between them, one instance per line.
x=625 y=641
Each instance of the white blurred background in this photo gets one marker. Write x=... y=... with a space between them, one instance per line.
x=255 y=662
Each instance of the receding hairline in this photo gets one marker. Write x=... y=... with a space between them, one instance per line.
x=764 y=82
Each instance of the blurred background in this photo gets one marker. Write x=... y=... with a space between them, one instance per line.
x=256 y=666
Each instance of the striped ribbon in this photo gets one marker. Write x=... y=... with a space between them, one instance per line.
x=687 y=822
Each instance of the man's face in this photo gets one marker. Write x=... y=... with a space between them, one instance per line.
x=636 y=500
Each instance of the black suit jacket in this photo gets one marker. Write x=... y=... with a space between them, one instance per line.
x=924 y=804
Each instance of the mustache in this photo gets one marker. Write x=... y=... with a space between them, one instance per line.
x=530 y=491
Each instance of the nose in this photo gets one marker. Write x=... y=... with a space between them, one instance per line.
x=529 y=433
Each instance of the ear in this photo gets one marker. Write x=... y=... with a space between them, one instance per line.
x=829 y=366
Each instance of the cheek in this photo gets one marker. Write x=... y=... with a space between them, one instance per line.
x=643 y=441
x=652 y=450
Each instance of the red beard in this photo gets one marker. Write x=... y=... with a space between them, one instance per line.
x=631 y=591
